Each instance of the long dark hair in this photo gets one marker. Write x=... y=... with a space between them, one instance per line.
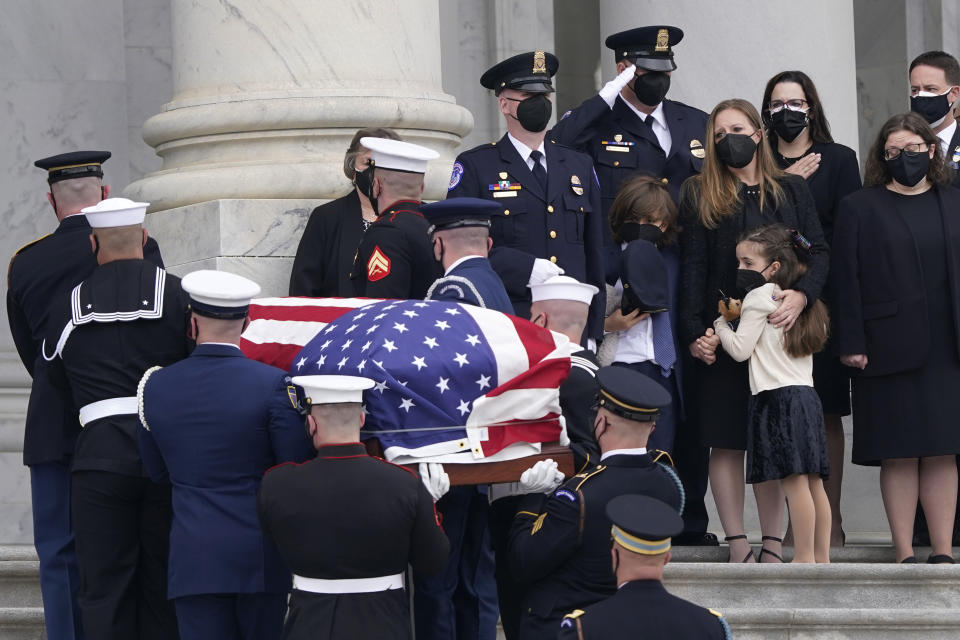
x=818 y=126
x=809 y=333
x=877 y=172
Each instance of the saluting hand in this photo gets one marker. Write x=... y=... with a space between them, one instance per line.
x=611 y=90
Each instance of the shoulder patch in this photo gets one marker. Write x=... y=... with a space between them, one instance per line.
x=455 y=175
x=566 y=114
x=565 y=493
x=378 y=266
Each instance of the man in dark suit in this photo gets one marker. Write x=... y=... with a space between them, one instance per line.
x=38 y=273
x=934 y=89
x=548 y=197
x=212 y=425
x=125 y=317
x=348 y=524
x=641 y=532
x=395 y=259
x=560 y=539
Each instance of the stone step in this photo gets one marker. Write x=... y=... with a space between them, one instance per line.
x=816 y=586
x=22 y=623
x=21 y=607
x=844 y=624
x=883 y=554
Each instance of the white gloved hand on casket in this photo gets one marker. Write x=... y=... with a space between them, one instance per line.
x=543 y=477
x=435 y=479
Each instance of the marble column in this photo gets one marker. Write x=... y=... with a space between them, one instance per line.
x=266 y=98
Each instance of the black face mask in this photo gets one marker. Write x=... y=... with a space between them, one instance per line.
x=736 y=150
x=534 y=112
x=932 y=108
x=364 y=182
x=788 y=124
x=651 y=88
x=631 y=231
x=748 y=280
x=910 y=167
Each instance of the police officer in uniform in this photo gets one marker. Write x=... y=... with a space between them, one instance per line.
x=629 y=128
x=348 y=524
x=560 y=539
x=460 y=232
x=125 y=317
x=547 y=193
x=212 y=424
x=641 y=532
x=395 y=259
x=37 y=273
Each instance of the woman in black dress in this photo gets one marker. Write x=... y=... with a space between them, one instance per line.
x=897 y=319
x=333 y=232
x=740 y=188
x=800 y=137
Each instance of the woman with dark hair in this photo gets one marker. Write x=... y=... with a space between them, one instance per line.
x=333 y=232
x=897 y=322
x=800 y=137
x=740 y=188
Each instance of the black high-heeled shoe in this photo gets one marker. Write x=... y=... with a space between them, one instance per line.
x=940 y=558
x=742 y=536
x=764 y=550
x=909 y=560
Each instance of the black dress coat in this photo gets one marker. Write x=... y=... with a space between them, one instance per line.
x=329 y=243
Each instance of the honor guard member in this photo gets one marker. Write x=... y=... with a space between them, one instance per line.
x=629 y=127
x=212 y=424
x=37 y=273
x=547 y=193
x=460 y=232
x=348 y=524
x=560 y=539
x=125 y=317
x=395 y=259
x=641 y=531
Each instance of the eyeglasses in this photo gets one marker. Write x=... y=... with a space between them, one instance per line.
x=794 y=105
x=912 y=149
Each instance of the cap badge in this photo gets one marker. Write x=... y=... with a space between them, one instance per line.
x=575 y=185
x=539 y=62
x=618 y=137
x=663 y=41
x=696 y=149
x=503 y=175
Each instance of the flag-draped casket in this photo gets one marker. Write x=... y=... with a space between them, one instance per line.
x=455 y=383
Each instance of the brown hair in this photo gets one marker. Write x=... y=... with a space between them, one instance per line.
x=355 y=148
x=809 y=334
x=940 y=60
x=877 y=172
x=719 y=189
x=817 y=121
x=644 y=199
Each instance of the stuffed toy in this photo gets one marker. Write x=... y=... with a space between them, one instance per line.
x=729 y=308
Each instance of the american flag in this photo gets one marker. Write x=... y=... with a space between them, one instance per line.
x=454 y=382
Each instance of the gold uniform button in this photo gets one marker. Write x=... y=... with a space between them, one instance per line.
x=506 y=212
x=553 y=234
x=616 y=163
x=665 y=181
x=549 y=208
x=581 y=209
x=553 y=259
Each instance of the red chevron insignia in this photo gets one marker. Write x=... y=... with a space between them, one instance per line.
x=378 y=266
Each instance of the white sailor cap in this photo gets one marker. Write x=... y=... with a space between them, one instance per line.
x=115 y=212
x=219 y=294
x=332 y=389
x=397 y=155
x=563 y=288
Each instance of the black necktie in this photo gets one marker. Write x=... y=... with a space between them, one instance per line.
x=538 y=171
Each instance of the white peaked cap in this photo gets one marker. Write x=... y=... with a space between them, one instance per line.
x=397 y=155
x=563 y=288
x=219 y=289
x=116 y=212
x=333 y=389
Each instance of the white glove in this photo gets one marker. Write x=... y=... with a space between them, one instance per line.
x=435 y=479
x=542 y=477
x=612 y=89
x=543 y=270
x=564 y=439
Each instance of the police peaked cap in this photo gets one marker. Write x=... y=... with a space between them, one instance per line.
x=650 y=48
x=531 y=71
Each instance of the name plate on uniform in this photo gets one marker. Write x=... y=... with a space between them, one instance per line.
x=504 y=194
x=619 y=149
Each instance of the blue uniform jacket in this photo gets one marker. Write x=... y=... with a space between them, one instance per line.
x=473 y=281
x=562 y=225
x=217 y=421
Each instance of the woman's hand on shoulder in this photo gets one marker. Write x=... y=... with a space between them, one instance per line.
x=616 y=321
x=805 y=166
x=792 y=302
x=857 y=360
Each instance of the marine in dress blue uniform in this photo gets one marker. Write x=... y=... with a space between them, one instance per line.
x=560 y=542
x=547 y=193
x=667 y=142
x=394 y=259
x=125 y=317
x=212 y=424
x=641 y=531
x=38 y=272
x=348 y=524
